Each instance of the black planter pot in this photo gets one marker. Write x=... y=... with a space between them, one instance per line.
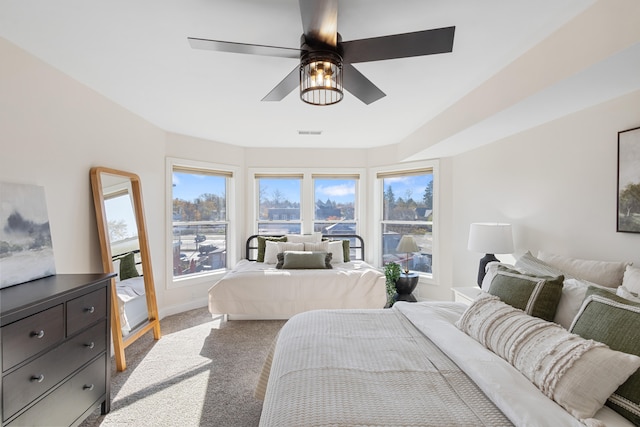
x=405 y=285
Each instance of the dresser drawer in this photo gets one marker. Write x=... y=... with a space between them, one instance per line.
x=35 y=378
x=31 y=335
x=86 y=309
x=69 y=401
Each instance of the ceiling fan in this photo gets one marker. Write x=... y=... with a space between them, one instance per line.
x=325 y=57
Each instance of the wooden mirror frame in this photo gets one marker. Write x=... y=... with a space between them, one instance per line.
x=120 y=342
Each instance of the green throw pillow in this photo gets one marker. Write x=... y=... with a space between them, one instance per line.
x=262 y=244
x=295 y=260
x=128 y=267
x=535 y=295
x=346 y=250
x=615 y=321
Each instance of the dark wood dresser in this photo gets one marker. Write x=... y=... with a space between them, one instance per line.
x=55 y=354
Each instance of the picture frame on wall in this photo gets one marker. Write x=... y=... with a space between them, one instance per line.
x=628 y=209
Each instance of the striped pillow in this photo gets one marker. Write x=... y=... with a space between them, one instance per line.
x=576 y=373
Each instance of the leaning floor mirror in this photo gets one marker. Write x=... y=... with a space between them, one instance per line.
x=122 y=231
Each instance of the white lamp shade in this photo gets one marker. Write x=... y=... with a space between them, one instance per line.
x=491 y=238
x=407 y=244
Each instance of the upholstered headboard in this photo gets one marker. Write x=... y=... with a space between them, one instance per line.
x=356 y=244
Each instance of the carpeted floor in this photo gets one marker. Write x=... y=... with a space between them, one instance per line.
x=202 y=372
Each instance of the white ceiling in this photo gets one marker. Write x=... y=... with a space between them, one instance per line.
x=136 y=53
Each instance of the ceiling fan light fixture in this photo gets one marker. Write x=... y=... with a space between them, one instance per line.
x=321 y=78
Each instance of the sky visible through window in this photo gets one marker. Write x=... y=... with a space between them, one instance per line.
x=413 y=185
x=190 y=186
x=337 y=190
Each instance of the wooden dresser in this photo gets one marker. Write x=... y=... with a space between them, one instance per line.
x=55 y=353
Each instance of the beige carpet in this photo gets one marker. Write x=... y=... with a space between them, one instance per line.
x=202 y=372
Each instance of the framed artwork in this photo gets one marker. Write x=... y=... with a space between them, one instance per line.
x=629 y=181
x=26 y=251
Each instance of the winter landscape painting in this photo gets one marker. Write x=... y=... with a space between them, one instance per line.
x=26 y=252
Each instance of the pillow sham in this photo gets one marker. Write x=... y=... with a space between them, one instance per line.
x=316 y=246
x=297 y=260
x=262 y=245
x=304 y=238
x=128 y=267
x=274 y=248
x=337 y=251
x=631 y=279
x=604 y=273
x=116 y=269
x=535 y=295
x=573 y=290
x=576 y=373
x=623 y=292
x=614 y=321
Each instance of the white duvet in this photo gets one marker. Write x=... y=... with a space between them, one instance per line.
x=259 y=290
x=509 y=390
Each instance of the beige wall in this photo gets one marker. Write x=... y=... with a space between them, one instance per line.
x=555 y=183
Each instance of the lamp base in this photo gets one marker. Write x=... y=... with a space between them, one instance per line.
x=483 y=265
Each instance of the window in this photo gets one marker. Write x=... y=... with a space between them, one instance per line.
x=279 y=203
x=407 y=208
x=335 y=204
x=200 y=225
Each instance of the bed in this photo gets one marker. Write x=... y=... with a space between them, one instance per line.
x=257 y=289
x=445 y=363
x=130 y=291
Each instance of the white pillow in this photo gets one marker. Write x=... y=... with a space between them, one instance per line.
x=337 y=254
x=624 y=292
x=304 y=238
x=577 y=374
x=604 y=273
x=631 y=279
x=272 y=249
x=316 y=246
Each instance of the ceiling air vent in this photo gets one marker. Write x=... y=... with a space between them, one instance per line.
x=309 y=132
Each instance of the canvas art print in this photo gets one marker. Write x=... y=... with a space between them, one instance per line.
x=26 y=251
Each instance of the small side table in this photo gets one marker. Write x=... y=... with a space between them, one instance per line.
x=466 y=294
x=406 y=284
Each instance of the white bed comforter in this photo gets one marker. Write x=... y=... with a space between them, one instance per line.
x=258 y=290
x=314 y=372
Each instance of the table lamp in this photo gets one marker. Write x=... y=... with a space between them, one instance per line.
x=407 y=244
x=491 y=239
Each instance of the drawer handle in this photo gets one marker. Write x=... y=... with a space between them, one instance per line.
x=90 y=309
x=37 y=379
x=90 y=345
x=88 y=387
x=38 y=334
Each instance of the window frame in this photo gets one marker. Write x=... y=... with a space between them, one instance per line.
x=378 y=205
x=307 y=200
x=231 y=221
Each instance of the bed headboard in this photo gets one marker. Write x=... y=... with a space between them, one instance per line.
x=356 y=244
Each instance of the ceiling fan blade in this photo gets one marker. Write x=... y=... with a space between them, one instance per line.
x=285 y=87
x=320 y=20
x=252 y=49
x=360 y=86
x=428 y=42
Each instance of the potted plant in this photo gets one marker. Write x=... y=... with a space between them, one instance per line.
x=391 y=273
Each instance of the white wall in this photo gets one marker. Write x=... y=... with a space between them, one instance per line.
x=556 y=184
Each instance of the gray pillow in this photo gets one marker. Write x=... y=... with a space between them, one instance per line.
x=298 y=260
x=614 y=321
x=535 y=295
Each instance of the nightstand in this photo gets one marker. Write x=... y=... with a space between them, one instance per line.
x=466 y=294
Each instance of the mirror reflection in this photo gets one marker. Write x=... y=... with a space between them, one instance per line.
x=125 y=251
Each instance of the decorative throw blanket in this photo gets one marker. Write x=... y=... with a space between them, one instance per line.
x=366 y=367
